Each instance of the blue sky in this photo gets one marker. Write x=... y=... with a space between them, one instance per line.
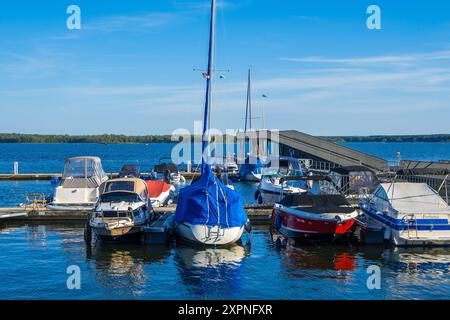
x=130 y=68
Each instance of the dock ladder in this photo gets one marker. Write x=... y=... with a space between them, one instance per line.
x=411 y=223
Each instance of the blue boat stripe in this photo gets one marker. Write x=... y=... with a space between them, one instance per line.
x=399 y=224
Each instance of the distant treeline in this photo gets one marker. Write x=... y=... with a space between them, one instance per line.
x=395 y=138
x=104 y=138
x=115 y=139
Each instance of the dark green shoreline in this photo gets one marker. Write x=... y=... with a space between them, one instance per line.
x=124 y=139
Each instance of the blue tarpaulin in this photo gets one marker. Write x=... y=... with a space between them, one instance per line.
x=251 y=165
x=209 y=202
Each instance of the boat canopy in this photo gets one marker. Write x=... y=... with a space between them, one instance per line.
x=129 y=185
x=323 y=203
x=286 y=166
x=164 y=167
x=409 y=197
x=130 y=170
x=353 y=178
x=83 y=167
x=83 y=172
x=209 y=202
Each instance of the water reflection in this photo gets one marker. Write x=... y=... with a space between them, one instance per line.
x=333 y=262
x=40 y=254
x=121 y=266
x=212 y=272
x=419 y=260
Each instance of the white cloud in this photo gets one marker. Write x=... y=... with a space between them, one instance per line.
x=379 y=59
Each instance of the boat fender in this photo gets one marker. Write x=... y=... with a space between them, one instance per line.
x=248 y=226
x=87 y=233
x=387 y=233
x=278 y=221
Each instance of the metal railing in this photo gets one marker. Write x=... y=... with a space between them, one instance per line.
x=316 y=165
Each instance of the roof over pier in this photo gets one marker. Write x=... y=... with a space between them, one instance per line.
x=304 y=146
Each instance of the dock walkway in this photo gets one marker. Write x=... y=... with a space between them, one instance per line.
x=258 y=215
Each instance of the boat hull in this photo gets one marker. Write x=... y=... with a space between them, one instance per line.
x=71 y=207
x=303 y=227
x=251 y=177
x=160 y=200
x=209 y=235
x=118 y=234
x=418 y=233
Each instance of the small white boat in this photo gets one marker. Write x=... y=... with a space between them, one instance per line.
x=409 y=214
x=123 y=209
x=230 y=166
x=79 y=187
x=271 y=188
x=161 y=193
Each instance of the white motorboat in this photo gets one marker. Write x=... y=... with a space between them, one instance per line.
x=230 y=166
x=123 y=209
x=409 y=214
x=79 y=187
x=271 y=188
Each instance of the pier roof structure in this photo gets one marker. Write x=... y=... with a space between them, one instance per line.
x=304 y=146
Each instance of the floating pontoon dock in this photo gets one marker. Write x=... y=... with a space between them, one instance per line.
x=258 y=215
x=50 y=176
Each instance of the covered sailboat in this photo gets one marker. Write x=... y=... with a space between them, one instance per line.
x=208 y=212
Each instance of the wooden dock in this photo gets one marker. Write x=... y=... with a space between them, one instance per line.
x=258 y=215
x=50 y=176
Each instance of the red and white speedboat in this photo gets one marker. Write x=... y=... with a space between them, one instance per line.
x=160 y=192
x=322 y=213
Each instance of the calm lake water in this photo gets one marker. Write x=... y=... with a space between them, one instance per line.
x=34 y=258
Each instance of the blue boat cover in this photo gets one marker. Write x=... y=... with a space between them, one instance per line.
x=249 y=168
x=208 y=201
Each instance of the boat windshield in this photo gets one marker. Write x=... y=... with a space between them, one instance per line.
x=119 y=186
x=120 y=197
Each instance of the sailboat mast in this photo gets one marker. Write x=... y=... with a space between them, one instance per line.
x=209 y=78
x=248 y=109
